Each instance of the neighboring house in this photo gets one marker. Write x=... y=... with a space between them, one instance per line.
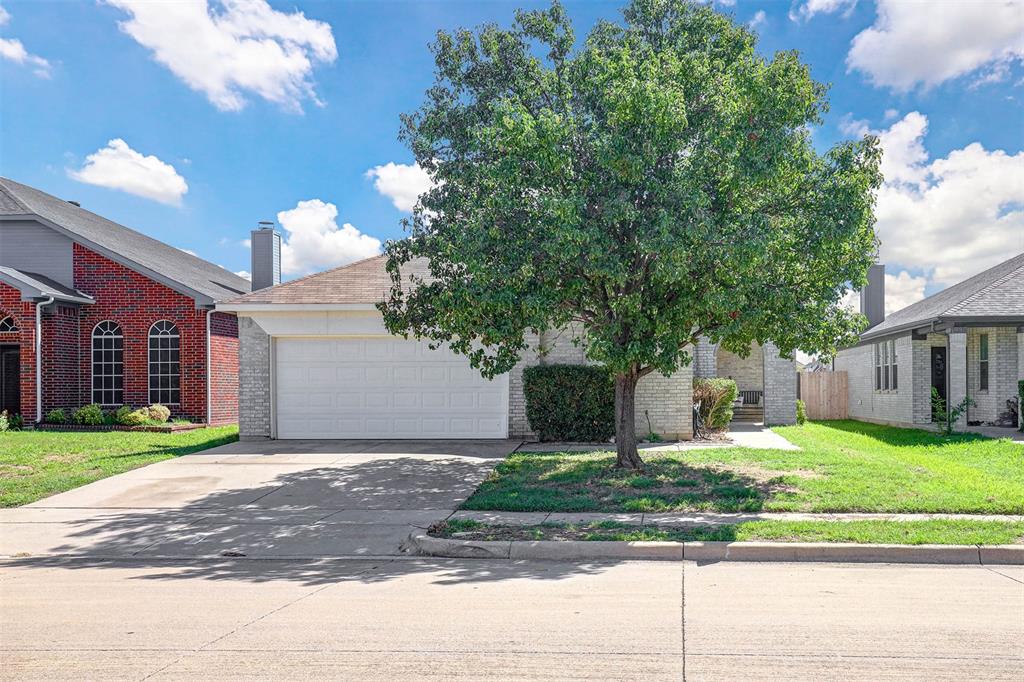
x=967 y=340
x=316 y=362
x=116 y=317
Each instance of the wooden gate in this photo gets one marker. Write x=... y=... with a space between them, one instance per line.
x=824 y=394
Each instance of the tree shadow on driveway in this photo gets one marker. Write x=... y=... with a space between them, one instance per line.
x=317 y=525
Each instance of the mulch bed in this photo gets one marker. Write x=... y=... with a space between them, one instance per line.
x=150 y=428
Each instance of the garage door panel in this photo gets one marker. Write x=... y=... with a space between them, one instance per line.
x=382 y=388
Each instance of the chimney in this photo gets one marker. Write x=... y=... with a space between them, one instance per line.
x=266 y=256
x=872 y=297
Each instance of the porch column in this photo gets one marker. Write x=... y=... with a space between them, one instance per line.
x=779 y=387
x=957 y=368
x=1020 y=374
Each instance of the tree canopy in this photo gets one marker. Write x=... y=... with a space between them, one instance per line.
x=655 y=183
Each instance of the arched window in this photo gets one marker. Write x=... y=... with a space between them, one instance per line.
x=107 y=364
x=164 y=363
x=8 y=324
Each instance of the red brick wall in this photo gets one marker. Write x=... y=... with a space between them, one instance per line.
x=135 y=302
x=224 y=368
x=24 y=313
x=62 y=357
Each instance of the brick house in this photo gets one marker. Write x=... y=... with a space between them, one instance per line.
x=964 y=341
x=316 y=362
x=117 y=318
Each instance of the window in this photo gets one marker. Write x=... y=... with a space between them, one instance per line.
x=7 y=324
x=886 y=366
x=164 y=364
x=983 y=363
x=107 y=364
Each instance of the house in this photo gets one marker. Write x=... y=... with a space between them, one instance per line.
x=316 y=362
x=965 y=341
x=94 y=312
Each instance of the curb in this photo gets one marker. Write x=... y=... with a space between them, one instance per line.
x=587 y=550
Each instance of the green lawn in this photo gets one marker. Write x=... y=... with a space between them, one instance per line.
x=35 y=464
x=844 y=466
x=934 y=532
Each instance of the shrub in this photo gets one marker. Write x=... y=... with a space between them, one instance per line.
x=1020 y=404
x=89 y=415
x=57 y=416
x=158 y=413
x=126 y=416
x=801 y=413
x=5 y=422
x=15 y=422
x=570 y=402
x=715 y=397
x=947 y=421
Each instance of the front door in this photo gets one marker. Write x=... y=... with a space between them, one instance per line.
x=939 y=370
x=10 y=379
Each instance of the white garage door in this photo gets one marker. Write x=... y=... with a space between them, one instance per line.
x=383 y=388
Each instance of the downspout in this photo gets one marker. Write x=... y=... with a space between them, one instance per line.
x=39 y=357
x=209 y=376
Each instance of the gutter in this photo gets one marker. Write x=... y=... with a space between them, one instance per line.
x=39 y=357
x=209 y=375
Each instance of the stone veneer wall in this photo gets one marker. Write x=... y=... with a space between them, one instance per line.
x=667 y=401
x=779 y=387
x=1002 y=371
x=254 y=364
x=863 y=401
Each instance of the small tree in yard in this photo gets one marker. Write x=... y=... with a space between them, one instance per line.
x=654 y=184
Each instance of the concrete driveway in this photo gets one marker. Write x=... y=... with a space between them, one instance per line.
x=265 y=500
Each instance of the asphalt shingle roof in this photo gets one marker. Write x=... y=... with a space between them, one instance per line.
x=41 y=285
x=362 y=282
x=996 y=292
x=133 y=248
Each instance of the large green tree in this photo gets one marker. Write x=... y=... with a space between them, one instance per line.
x=654 y=184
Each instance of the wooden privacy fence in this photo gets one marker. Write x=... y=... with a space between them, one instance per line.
x=824 y=394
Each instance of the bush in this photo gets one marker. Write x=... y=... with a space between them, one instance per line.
x=801 y=412
x=715 y=397
x=1020 y=404
x=126 y=416
x=89 y=415
x=570 y=402
x=5 y=422
x=57 y=416
x=158 y=413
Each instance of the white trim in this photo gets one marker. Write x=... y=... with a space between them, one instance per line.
x=243 y=308
x=92 y=362
x=39 y=357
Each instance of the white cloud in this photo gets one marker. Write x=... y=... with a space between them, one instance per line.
x=949 y=217
x=402 y=183
x=903 y=289
x=247 y=243
x=803 y=11
x=241 y=47
x=189 y=252
x=13 y=50
x=244 y=274
x=118 y=166
x=757 y=20
x=313 y=240
x=890 y=114
x=915 y=43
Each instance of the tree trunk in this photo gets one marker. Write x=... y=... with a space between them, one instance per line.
x=627 y=456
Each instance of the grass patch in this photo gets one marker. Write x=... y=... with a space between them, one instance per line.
x=933 y=532
x=844 y=466
x=36 y=464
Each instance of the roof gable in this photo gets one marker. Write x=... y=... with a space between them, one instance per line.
x=996 y=292
x=191 y=275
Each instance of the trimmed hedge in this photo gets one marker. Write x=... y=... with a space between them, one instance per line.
x=573 y=403
x=715 y=397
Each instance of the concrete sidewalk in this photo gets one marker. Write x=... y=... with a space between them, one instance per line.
x=703 y=518
x=741 y=434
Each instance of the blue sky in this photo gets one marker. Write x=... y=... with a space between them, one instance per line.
x=191 y=121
